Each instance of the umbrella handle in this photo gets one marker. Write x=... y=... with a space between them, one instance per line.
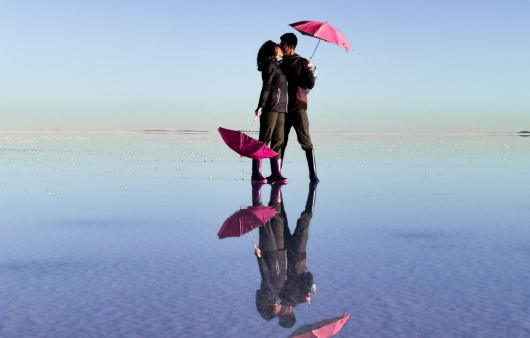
x=254 y=245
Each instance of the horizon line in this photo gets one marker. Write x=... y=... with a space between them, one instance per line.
x=199 y=131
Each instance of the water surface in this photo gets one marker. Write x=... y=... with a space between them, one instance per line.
x=116 y=235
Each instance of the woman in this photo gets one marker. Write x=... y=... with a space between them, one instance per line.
x=271 y=110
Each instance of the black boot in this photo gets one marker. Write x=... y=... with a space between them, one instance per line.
x=312 y=165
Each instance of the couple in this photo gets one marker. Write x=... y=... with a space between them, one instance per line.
x=286 y=281
x=283 y=105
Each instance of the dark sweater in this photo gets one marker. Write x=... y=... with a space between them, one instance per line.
x=299 y=79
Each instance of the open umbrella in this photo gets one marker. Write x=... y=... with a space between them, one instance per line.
x=322 y=31
x=245 y=145
x=322 y=329
x=245 y=220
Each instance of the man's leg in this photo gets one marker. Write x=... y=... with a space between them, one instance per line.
x=286 y=130
x=301 y=232
x=301 y=126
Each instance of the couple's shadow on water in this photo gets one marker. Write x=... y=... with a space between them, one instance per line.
x=281 y=256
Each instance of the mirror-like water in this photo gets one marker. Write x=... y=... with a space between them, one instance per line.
x=116 y=235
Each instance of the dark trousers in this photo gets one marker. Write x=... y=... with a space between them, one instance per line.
x=271 y=235
x=299 y=121
x=271 y=130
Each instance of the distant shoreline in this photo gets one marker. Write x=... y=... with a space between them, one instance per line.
x=192 y=131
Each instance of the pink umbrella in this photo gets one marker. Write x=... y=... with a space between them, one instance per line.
x=323 y=329
x=322 y=31
x=245 y=145
x=246 y=220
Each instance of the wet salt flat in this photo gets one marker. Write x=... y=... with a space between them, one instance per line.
x=115 y=235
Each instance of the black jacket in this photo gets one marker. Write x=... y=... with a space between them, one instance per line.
x=299 y=79
x=273 y=97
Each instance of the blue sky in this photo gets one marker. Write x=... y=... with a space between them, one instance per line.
x=417 y=66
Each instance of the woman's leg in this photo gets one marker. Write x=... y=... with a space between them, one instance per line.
x=267 y=123
x=266 y=130
x=276 y=145
x=278 y=134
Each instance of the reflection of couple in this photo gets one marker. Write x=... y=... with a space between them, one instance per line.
x=283 y=104
x=285 y=280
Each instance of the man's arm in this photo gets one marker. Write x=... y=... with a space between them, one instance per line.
x=307 y=77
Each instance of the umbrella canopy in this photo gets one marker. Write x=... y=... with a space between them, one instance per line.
x=322 y=329
x=246 y=220
x=245 y=145
x=323 y=31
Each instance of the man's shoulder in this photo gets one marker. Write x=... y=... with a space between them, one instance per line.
x=301 y=59
x=294 y=60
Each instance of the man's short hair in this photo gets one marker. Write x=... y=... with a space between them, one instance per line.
x=289 y=39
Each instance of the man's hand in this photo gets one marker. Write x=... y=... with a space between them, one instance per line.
x=311 y=67
x=258 y=112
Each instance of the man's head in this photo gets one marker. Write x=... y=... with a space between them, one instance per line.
x=288 y=43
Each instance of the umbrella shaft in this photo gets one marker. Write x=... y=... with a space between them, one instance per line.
x=315 y=50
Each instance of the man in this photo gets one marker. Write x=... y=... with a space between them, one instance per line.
x=300 y=78
x=285 y=280
x=299 y=287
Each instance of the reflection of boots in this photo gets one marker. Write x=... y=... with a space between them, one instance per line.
x=312 y=165
x=257 y=177
x=276 y=172
x=311 y=197
x=276 y=194
x=256 y=193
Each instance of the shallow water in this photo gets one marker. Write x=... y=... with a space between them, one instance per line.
x=115 y=235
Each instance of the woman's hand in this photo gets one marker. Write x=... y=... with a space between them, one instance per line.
x=258 y=112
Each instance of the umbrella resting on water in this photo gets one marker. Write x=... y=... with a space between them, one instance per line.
x=245 y=145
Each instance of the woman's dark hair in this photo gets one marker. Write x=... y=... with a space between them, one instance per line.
x=267 y=50
x=265 y=304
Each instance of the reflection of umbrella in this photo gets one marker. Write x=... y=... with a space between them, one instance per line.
x=245 y=220
x=245 y=145
x=322 y=31
x=322 y=329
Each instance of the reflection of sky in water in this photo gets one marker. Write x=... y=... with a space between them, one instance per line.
x=115 y=234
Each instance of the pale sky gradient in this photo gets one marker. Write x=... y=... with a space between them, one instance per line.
x=417 y=66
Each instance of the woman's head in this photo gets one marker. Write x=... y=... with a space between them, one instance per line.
x=267 y=51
